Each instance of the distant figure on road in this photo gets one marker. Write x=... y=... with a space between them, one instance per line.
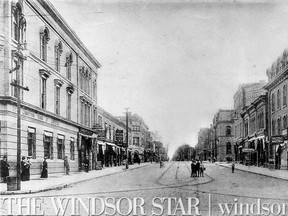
x=202 y=169
x=193 y=169
x=233 y=166
x=198 y=168
x=66 y=165
x=44 y=173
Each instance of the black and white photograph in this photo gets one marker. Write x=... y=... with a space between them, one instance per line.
x=144 y=107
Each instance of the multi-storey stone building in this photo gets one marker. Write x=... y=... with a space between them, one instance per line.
x=277 y=111
x=61 y=74
x=245 y=95
x=223 y=147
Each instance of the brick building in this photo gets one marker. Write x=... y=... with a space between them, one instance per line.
x=277 y=111
x=244 y=96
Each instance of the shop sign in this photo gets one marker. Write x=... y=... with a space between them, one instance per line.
x=119 y=136
x=248 y=150
x=277 y=139
x=86 y=132
x=101 y=134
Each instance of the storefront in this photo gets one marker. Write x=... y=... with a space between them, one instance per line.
x=87 y=148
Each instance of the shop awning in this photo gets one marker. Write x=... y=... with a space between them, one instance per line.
x=111 y=144
x=100 y=142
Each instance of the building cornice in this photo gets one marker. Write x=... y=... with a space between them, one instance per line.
x=38 y=110
x=51 y=10
x=277 y=80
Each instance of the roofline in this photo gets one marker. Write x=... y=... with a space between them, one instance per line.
x=47 y=5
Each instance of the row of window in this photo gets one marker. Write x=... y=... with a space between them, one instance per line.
x=279 y=125
x=48 y=145
x=277 y=106
x=57 y=101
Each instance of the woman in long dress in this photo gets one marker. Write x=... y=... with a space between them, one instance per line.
x=44 y=173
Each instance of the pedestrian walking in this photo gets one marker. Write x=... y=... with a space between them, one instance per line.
x=192 y=169
x=44 y=173
x=4 y=168
x=202 y=168
x=197 y=168
x=233 y=166
x=28 y=165
x=66 y=165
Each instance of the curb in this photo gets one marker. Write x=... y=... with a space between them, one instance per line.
x=262 y=174
x=61 y=186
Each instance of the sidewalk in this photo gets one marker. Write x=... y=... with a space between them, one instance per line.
x=62 y=181
x=279 y=174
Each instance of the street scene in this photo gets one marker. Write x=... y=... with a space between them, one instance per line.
x=143 y=107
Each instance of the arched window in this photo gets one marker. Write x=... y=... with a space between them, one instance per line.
x=285 y=122
x=278 y=99
x=69 y=61
x=228 y=130
x=273 y=128
x=228 y=148
x=284 y=95
x=279 y=126
x=273 y=103
x=44 y=38
x=18 y=23
x=58 y=52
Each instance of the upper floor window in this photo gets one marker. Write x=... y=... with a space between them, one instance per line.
x=228 y=131
x=136 y=141
x=136 y=128
x=18 y=24
x=273 y=103
x=69 y=96
x=278 y=99
x=228 y=148
x=44 y=75
x=69 y=61
x=58 y=84
x=279 y=126
x=58 y=52
x=284 y=95
x=44 y=38
x=273 y=127
x=285 y=122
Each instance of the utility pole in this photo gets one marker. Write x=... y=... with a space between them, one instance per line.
x=127 y=136
x=16 y=83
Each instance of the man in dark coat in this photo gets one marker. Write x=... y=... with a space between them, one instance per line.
x=44 y=173
x=197 y=168
x=4 y=169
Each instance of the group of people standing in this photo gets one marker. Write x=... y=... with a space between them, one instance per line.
x=197 y=169
x=25 y=168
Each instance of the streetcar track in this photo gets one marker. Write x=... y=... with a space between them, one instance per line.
x=163 y=186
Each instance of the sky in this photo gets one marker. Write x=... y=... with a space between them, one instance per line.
x=176 y=63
